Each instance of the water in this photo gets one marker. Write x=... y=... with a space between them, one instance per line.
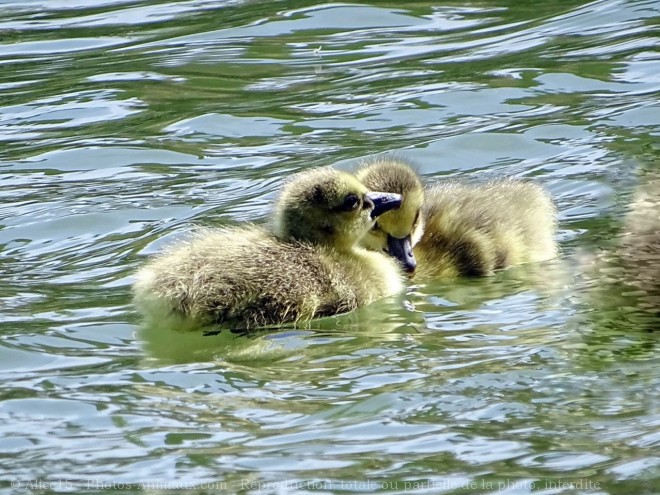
x=124 y=123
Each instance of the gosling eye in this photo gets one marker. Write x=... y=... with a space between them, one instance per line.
x=351 y=202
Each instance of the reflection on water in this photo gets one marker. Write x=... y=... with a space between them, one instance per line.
x=123 y=124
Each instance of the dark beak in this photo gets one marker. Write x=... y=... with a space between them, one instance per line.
x=384 y=202
x=402 y=250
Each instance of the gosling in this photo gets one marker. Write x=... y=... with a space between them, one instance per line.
x=451 y=229
x=309 y=266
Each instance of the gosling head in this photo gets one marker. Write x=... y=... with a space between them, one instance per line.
x=395 y=232
x=329 y=207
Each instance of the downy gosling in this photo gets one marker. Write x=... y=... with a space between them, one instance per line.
x=451 y=229
x=310 y=265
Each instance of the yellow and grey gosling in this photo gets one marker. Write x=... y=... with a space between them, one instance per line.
x=639 y=249
x=463 y=230
x=310 y=265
